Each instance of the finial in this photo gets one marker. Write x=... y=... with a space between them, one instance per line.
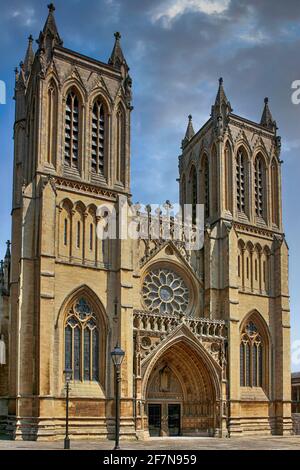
x=220 y=81
x=51 y=7
x=117 y=35
x=7 y=255
x=30 y=39
x=266 y=100
x=190 y=117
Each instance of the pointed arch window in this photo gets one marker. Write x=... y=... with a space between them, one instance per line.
x=194 y=194
x=206 y=187
x=72 y=130
x=52 y=123
x=259 y=186
x=275 y=191
x=98 y=137
x=251 y=357
x=241 y=182
x=120 y=156
x=228 y=177
x=82 y=342
x=65 y=232
x=78 y=235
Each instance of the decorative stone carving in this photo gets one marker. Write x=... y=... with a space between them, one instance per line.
x=165 y=292
x=152 y=329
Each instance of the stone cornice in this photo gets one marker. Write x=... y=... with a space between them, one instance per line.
x=86 y=62
x=246 y=124
x=85 y=188
x=261 y=232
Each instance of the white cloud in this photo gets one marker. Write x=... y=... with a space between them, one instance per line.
x=169 y=10
x=26 y=17
x=254 y=38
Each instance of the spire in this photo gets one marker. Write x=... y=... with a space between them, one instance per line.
x=117 y=58
x=267 y=118
x=29 y=57
x=50 y=36
x=189 y=131
x=222 y=106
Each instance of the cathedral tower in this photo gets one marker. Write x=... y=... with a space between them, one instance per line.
x=232 y=166
x=68 y=307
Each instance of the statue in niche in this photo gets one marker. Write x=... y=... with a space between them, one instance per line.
x=165 y=379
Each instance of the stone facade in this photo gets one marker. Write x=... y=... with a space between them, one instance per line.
x=206 y=332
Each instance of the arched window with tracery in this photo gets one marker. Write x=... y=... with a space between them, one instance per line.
x=183 y=195
x=275 y=193
x=241 y=182
x=194 y=193
x=82 y=342
x=98 y=137
x=72 y=124
x=120 y=154
x=259 y=186
x=204 y=185
x=214 y=179
x=252 y=350
x=52 y=123
x=228 y=177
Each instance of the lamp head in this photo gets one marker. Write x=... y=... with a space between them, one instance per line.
x=68 y=375
x=117 y=355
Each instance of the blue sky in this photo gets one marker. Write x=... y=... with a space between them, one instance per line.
x=176 y=50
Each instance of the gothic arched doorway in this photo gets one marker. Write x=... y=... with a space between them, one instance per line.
x=181 y=396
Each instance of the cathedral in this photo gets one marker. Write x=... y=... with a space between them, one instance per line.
x=206 y=332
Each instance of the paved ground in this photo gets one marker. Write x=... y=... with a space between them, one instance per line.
x=176 y=443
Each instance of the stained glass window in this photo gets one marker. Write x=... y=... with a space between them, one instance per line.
x=87 y=353
x=242 y=364
x=254 y=365
x=82 y=342
x=247 y=365
x=68 y=347
x=95 y=355
x=77 y=353
x=251 y=357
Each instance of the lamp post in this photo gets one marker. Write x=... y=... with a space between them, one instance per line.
x=117 y=356
x=68 y=377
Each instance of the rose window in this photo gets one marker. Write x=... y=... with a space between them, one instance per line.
x=165 y=292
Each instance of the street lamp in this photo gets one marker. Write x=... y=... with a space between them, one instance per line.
x=68 y=377
x=117 y=356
